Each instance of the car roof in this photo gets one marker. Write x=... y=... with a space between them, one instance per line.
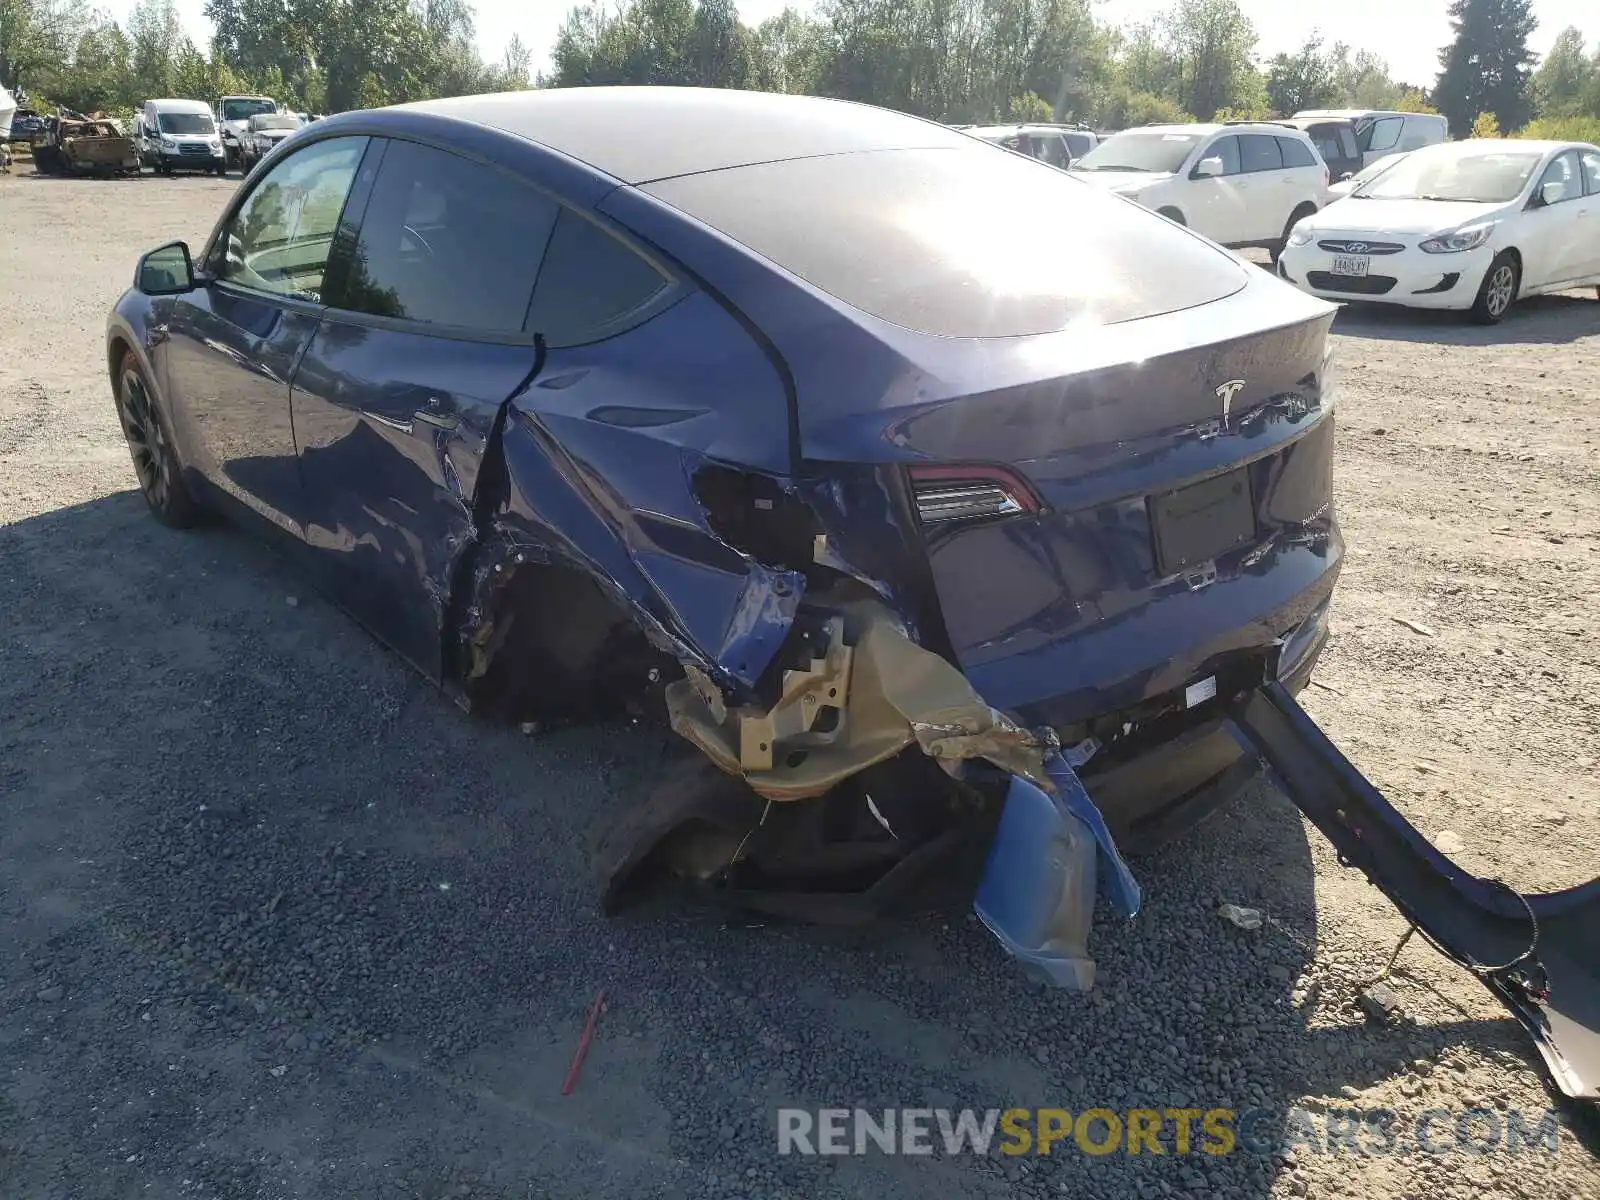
x=1543 y=147
x=642 y=134
x=181 y=106
x=1198 y=127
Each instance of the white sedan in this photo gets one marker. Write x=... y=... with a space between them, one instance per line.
x=1472 y=226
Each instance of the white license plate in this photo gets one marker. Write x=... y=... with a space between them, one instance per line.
x=1350 y=264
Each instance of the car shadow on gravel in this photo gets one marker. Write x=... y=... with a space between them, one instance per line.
x=285 y=922
x=1542 y=320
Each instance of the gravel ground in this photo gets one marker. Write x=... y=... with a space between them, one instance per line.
x=239 y=964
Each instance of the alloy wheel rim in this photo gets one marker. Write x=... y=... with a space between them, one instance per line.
x=146 y=441
x=1500 y=290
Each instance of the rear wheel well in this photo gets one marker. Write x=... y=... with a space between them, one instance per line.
x=545 y=643
x=1172 y=214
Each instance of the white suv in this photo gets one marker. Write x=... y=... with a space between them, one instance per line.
x=1239 y=184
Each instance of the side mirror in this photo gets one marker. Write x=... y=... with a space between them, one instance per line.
x=166 y=271
x=1551 y=193
x=1207 y=168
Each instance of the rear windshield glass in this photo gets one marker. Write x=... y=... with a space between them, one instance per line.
x=243 y=110
x=1458 y=172
x=1163 y=152
x=959 y=242
x=185 y=123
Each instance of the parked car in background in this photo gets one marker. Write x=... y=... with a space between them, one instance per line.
x=595 y=401
x=1344 y=187
x=1058 y=145
x=1379 y=133
x=179 y=135
x=265 y=131
x=84 y=146
x=26 y=122
x=1240 y=185
x=233 y=115
x=1336 y=140
x=1472 y=226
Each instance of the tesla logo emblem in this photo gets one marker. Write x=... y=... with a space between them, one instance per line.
x=1227 y=392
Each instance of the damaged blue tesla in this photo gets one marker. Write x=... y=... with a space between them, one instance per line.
x=948 y=510
x=885 y=466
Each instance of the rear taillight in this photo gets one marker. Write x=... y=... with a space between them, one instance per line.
x=959 y=492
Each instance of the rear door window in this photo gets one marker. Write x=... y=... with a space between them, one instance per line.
x=1259 y=152
x=1347 y=142
x=448 y=241
x=1295 y=153
x=590 y=284
x=1591 y=172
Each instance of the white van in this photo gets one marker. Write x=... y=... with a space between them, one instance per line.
x=1380 y=134
x=179 y=135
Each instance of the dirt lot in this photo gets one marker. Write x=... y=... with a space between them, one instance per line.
x=281 y=922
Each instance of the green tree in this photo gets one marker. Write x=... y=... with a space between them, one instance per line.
x=1565 y=83
x=38 y=37
x=789 y=52
x=1304 y=79
x=1485 y=126
x=1213 y=47
x=1030 y=106
x=1487 y=67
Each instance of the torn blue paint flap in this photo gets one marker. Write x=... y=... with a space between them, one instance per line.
x=738 y=621
x=1122 y=889
x=1037 y=893
x=1038 y=888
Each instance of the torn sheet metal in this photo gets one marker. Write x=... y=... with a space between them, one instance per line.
x=893 y=693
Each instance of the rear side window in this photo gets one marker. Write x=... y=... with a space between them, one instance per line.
x=1079 y=144
x=590 y=280
x=1259 y=152
x=1347 y=141
x=1295 y=154
x=448 y=241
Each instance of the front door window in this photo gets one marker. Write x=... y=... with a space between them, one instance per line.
x=278 y=239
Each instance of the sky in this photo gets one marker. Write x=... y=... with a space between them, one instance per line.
x=1407 y=33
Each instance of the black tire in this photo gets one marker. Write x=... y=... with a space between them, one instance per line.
x=1173 y=214
x=1498 y=291
x=1298 y=215
x=155 y=458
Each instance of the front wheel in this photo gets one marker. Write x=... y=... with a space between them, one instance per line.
x=1497 y=291
x=155 y=459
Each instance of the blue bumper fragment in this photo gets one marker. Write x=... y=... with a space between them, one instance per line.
x=1037 y=892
